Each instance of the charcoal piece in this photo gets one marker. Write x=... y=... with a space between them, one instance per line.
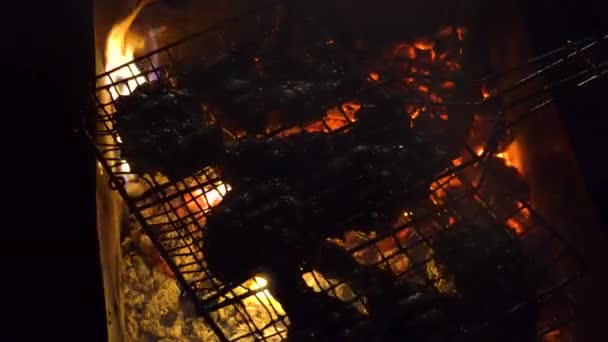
x=163 y=130
x=492 y=275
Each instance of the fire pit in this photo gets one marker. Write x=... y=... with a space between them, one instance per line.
x=466 y=258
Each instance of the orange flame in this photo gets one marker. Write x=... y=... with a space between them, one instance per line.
x=513 y=156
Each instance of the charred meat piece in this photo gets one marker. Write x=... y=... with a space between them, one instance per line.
x=163 y=130
x=381 y=137
x=253 y=230
x=492 y=275
x=249 y=92
x=332 y=173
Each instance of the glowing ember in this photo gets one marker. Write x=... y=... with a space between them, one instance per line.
x=552 y=336
x=461 y=32
x=457 y=161
x=448 y=85
x=350 y=109
x=439 y=189
x=435 y=98
x=335 y=118
x=415 y=113
x=424 y=45
x=514 y=225
x=485 y=92
x=452 y=65
x=374 y=76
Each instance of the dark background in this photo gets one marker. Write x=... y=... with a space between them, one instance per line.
x=51 y=249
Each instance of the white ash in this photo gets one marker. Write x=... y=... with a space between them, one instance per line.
x=154 y=309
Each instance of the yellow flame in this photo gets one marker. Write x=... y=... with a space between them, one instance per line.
x=264 y=296
x=120 y=49
x=212 y=197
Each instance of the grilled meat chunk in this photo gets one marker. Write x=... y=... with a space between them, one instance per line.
x=163 y=130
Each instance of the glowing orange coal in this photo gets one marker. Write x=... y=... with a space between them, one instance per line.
x=424 y=44
x=517 y=223
x=485 y=92
x=439 y=189
x=201 y=201
x=374 y=76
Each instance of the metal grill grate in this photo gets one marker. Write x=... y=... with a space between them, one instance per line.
x=173 y=212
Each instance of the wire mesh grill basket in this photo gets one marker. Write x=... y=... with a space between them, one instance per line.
x=469 y=192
